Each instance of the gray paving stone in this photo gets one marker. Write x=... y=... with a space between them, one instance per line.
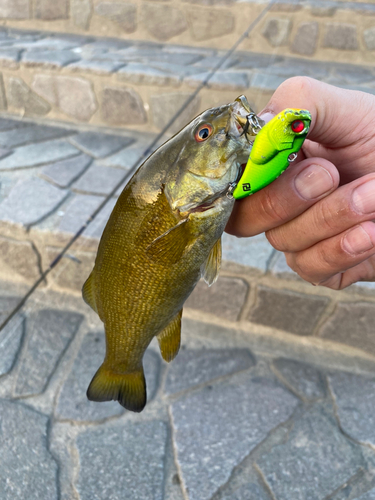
x=224 y=299
x=315 y=460
x=249 y=491
x=74 y=96
x=122 y=106
x=323 y=11
x=98 y=180
x=349 y=74
x=73 y=270
x=242 y=410
x=126 y=158
x=144 y=74
x=251 y=252
x=229 y=80
x=285 y=310
x=122 y=461
x=78 y=211
x=49 y=58
x=163 y=22
x=123 y=14
x=192 y=368
x=30 y=201
x=96 y=228
x=355 y=401
x=305 y=379
x=33 y=155
x=352 y=324
x=207 y=24
x=276 y=31
x=266 y=81
x=10 y=57
x=21 y=96
x=8 y=124
x=65 y=172
x=95 y=66
x=11 y=335
x=15 y=9
x=100 y=145
x=48 y=333
x=73 y=404
x=27 y=467
x=341 y=36
x=31 y=133
x=80 y=11
x=52 y=43
x=370 y=495
x=20 y=258
x=306 y=39
x=50 y=9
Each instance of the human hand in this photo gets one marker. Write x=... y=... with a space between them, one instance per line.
x=320 y=211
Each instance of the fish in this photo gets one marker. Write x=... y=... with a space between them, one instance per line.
x=162 y=236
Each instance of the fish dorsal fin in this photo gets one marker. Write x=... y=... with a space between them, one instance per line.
x=210 y=269
x=88 y=292
x=171 y=246
x=170 y=338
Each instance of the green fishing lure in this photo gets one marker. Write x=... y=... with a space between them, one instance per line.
x=275 y=147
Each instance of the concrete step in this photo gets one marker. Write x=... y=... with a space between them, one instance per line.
x=140 y=85
x=325 y=30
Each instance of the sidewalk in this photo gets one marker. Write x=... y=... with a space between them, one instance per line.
x=229 y=418
x=272 y=396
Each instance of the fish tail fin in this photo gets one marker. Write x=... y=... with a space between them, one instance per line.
x=129 y=389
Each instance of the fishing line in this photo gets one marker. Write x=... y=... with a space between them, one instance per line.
x=134 y=167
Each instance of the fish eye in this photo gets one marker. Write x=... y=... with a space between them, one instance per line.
x=203 y=132
x=297 y=126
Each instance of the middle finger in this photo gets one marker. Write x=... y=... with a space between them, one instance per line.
x=347 y=206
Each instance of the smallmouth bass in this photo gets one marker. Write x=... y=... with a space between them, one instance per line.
x=163 y=235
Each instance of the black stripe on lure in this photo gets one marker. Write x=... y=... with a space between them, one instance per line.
x=275 y=146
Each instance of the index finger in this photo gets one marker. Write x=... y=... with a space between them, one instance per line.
x=338 y=115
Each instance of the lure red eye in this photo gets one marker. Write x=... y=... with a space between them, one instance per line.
x=298 y=126
x=203 y=132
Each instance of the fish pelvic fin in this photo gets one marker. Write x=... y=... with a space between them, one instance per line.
x=210 y=269
x=129 y=389
x=88 y=292
x=170 y=338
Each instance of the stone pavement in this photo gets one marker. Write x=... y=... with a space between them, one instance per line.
x=230 y=418
x=272 y=394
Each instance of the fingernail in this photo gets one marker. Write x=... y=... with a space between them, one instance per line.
x=313 y=181
x=357 y=241
x=267 y=116
x=364 y=197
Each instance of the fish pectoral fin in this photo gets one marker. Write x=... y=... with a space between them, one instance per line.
x=170 y=338
x=88 y=292
x=210 y=269
x=129 y=389
x=172 y=245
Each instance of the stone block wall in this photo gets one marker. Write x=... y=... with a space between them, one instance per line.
x=339 y=31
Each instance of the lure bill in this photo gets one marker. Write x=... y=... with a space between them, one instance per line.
x=275 y=146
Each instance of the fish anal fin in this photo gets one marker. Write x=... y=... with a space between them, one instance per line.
x=211 y=268
x=170 y=247
x=170 y=338
x=129 y=389
x=88 y=292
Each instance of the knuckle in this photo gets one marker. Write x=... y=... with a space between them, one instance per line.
x=272 y=208
x=276 y=237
